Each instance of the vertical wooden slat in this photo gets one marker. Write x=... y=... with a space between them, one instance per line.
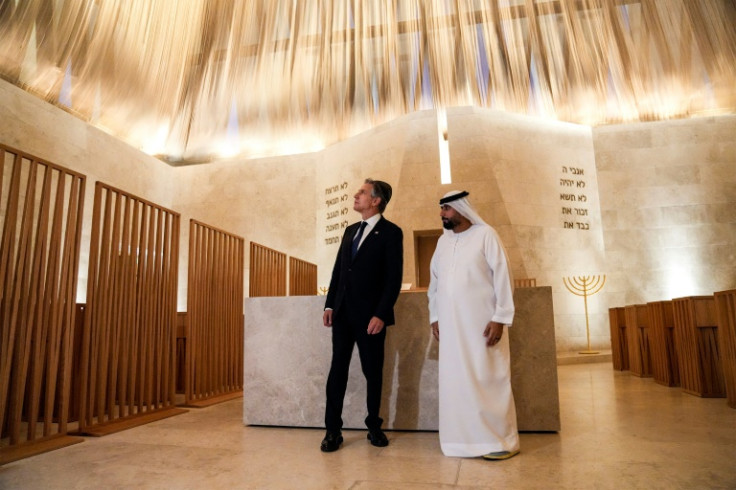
x=37 y=320
x=70 y=268
x=173 y=289
x=216 y=374
x=149 y=326
x=87 y=334
x=141 y=297
x=127 y=316
x=219 y=380
x=144 y=344
x=108 y=311
x=207 y=358
x=7 y=273
x=116 y=294
x=228 y=315
x=18 y=319
x=49 y=362
x=196 y=248
x=238 y=313
x=164 y=325
x=192 y=281
x=55 y=346
x=125 y=307
x=153 y=375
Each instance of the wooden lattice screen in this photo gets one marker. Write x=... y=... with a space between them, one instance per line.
x=128 y=348
x=525 y=283
x=267 y=271
x=302 y=277
x=214 y=339
x=41 y=208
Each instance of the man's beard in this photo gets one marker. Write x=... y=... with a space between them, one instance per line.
x=448 y=224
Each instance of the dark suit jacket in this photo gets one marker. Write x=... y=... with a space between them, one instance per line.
x=369 y=284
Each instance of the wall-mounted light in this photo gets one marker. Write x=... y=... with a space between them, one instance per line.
x=679 y=280
x=445 y=174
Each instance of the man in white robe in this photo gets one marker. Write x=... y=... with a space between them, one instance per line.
x=470 y=307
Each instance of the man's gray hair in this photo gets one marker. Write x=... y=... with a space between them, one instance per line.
x=381 y=190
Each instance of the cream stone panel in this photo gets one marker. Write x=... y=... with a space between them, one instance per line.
x=289 y=390
x=526 y=160
x=268 y=201
x=668 y=195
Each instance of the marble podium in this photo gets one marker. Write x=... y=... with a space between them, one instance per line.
x=287 y=357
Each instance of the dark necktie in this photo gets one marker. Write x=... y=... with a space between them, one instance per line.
x=356 y=240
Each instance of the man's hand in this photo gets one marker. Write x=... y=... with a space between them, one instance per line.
x=327 y=318
x=375 y=326
x=493 y=333
x=436 y=330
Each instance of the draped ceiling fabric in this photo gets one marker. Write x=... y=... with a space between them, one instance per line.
x=194 y=80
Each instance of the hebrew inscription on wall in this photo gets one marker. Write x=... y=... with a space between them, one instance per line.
x=573 y=199
x=336 y=212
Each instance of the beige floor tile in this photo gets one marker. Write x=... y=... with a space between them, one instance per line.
x=618 y=431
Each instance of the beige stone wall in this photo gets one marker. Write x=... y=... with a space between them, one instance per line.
x=668 y=201
x=269 y=201
x=657 y=199
x=518 y=169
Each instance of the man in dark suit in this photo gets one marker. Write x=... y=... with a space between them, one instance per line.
x=365 y=284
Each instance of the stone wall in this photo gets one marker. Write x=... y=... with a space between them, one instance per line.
x=650 y=205
x=668 y=202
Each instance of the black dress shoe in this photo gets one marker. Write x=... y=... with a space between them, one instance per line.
x=377 y=438
x=331 y=442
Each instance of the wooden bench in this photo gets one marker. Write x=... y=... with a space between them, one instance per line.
x=696 y=337
x=726 y=308
x=619 y=345
x=637 y=333
x=665 y=368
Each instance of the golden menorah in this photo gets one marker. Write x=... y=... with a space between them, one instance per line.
x=585 y=286
x=323 y=290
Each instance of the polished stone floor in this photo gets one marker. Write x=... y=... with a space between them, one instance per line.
x=618 y=432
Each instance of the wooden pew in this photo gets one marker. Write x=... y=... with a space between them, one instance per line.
x=726 y=308
x=696 y=337
x=665 y=368
x=637 y=336
x=619 y=345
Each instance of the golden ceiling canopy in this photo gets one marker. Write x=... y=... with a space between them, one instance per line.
x=190 y=81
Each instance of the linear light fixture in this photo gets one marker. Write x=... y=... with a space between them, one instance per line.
x=445 y=173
